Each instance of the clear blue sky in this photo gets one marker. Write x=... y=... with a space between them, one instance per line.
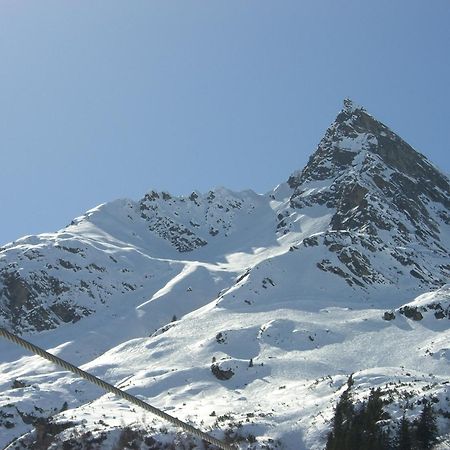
x=102 y=99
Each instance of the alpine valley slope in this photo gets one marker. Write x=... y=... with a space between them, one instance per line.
x=242 y=313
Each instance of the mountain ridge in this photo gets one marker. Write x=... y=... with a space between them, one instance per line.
x=356 y=197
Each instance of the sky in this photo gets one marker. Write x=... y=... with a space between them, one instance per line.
x=107 y=99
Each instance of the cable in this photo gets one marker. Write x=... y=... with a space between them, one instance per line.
x=114 y=390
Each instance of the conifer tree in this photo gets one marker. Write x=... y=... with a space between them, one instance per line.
x=426 y=431
x=403 y=439
x=372 y=431
x=358 y=429
x=343 y=417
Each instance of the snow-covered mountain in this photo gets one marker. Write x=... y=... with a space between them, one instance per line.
x=243 y=313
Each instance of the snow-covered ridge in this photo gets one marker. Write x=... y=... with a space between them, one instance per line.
x=431 y=305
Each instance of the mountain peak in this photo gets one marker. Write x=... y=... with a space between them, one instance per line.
x=356 y=132
x=368 y=174
x=350 y=106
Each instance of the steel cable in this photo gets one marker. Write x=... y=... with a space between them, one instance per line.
x=114 y=390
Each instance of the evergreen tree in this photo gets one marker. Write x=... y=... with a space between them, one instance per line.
x=354 y=438
x=343 y=417
x=358 y=429
x=403 y=439
x=426 y=431
x=372 y=431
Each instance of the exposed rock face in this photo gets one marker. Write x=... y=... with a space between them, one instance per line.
x=44 y=284
x=189 y=223
x=436 y=305
x=23 y=307
x=386 y=196
x=221 y=374
x=362 y=164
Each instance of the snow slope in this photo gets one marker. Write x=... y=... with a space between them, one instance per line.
x=242 y=313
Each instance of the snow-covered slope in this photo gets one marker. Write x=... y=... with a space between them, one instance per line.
x=243 y=313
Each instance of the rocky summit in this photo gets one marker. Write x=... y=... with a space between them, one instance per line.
x=255 y=317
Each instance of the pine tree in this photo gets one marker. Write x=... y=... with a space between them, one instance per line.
x=354 y=438
x=426 y=431
x=343 y=419
x=403 y=439
x=376 y=439
x=358 y=429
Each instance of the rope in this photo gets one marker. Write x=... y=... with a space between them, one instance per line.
x=114 y=390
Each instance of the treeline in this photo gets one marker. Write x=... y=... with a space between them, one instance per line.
x=362 y=427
